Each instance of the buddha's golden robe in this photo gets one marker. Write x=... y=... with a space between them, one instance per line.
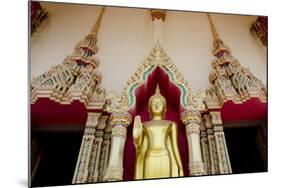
x=156 y=149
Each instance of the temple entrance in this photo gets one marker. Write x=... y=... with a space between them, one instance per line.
x=244 y=149
x=59 y=155
x=116 y=134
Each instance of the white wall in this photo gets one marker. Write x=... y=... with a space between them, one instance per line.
x=125 y=39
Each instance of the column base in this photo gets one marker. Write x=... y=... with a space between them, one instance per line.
x=197 y=169
x=114 y=174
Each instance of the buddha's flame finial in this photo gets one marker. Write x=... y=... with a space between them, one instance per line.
x=157 y=95
x=157 y=90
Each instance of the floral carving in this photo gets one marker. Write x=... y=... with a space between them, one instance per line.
x=119 y=131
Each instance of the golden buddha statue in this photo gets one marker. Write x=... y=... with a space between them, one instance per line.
x=157 y=152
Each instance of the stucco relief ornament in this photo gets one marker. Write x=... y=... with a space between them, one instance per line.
x=159 y=58
x=76 y=78
x=196 y=100
x=115 y=102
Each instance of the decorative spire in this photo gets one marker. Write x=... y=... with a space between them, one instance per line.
x=96 y=27
x=81 y=80
x=87 y=48
x=230 y=81
x=219 y=47
x=213 y=28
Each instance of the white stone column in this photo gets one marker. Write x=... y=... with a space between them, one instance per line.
x=120 y=121
x=192 y=119
x=223 y=157
x=83 y=162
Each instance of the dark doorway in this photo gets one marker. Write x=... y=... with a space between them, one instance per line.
x=243 y=149
x=60 y=153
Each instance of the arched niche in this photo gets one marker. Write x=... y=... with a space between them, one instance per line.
x=158 y=69
x=168 y=89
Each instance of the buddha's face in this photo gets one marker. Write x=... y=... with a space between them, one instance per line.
x=157 y=106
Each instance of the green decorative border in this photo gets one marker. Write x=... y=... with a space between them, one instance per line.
x=181 y=86
x=131 y=91
x=171 y=74
x=183 y=95
x=132 y=98
x=147 y=72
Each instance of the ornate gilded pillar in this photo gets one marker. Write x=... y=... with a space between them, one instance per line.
x=119 y=121
x=192 y=119
x=223 y=157
x=83 y=163
x=105 y=152
x=96 y=150
x=205 y=149
x=212 y=145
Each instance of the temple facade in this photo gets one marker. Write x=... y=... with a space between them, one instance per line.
x=120 y=56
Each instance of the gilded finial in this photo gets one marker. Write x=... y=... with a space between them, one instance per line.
x=213 y=28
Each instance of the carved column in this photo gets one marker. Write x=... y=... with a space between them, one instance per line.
x=212 y=145
x=82 y=165
x=192 y=119
x=96 y=150
x=223 y=157
x=105 y=152
x=120 y=121
x=205 y=149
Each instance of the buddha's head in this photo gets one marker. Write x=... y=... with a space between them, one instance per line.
x=157 y=104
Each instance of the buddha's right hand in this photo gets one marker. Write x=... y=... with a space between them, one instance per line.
x=137 y=127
